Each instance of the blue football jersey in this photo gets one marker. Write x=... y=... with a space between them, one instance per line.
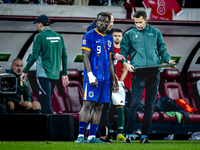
x=99 y=46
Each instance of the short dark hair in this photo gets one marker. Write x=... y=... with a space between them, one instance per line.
x=104 y=14
x=108 y=13
x=140 y=13
x=118 y=30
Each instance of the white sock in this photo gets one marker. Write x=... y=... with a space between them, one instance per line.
x=91 y=136
x=80 y=135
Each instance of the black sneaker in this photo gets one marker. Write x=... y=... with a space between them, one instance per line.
x=127 y=140
x=145 y=140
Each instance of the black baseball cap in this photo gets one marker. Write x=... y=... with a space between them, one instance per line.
x=44 y=20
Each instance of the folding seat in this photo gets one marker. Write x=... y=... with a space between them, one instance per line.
x=34 y=96
x=53 y=104
x=192 y=78
x=174 y=90
x=58 y=104
x=73 y=74
x=57 y=101
x=31 y=75
x=73 y=94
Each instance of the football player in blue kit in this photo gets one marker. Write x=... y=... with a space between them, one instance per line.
x=98 y=71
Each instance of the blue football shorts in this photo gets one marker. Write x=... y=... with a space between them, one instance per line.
x=100 y=94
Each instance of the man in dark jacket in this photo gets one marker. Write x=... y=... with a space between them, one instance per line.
x=144 y=44
x=15 y=102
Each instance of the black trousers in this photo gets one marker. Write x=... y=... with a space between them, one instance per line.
x=148 y=79
x=46 y=87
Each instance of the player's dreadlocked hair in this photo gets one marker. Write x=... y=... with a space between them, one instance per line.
x=104 y=14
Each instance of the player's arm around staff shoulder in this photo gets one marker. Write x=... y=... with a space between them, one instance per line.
x=113 y=76
x=92 y=79
x=128 y=67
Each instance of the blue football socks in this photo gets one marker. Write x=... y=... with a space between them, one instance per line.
x=93 y=129
x=143 y=136
x=82 y=126
x=128 y=135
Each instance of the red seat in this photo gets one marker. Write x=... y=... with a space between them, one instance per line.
x=73 y=94
x=33 y=96
x=192 y=78
x=155 y=116
x=53 y=104
x=58 y=104
x=32 y=84
x=173 y=90
x=166 y=118
x=73 y=74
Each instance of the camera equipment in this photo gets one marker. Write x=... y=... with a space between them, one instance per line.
x=8 y=82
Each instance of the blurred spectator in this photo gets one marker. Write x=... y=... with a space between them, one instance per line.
x=95 y=2
x=28 y=1
x=50 y=1
x=15 y=103
x=192 y=4
x=66 y=2
x=181 y=3
x=5 y=1
x=118 y=2
x=130 y=8
x=81 y=2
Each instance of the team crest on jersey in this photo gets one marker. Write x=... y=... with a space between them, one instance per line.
x=84 y=42
x=150 y=34
x=136 y=36
x=109 y=43
x=91 y=94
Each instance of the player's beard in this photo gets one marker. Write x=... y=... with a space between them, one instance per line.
x=18 y=73
x=116 y=42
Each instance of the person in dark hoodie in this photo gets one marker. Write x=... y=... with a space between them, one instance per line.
x=15 y=104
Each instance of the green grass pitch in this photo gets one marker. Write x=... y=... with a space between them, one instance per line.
x=118 y=145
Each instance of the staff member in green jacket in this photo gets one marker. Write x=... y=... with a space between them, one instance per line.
x=144 y=44
x=49 y=52
x=14 y=102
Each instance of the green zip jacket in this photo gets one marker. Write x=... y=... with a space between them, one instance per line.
x=145 y=47
x=48 y=52
x=22 y=90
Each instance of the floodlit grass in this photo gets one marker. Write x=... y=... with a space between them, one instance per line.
x=118 y=145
